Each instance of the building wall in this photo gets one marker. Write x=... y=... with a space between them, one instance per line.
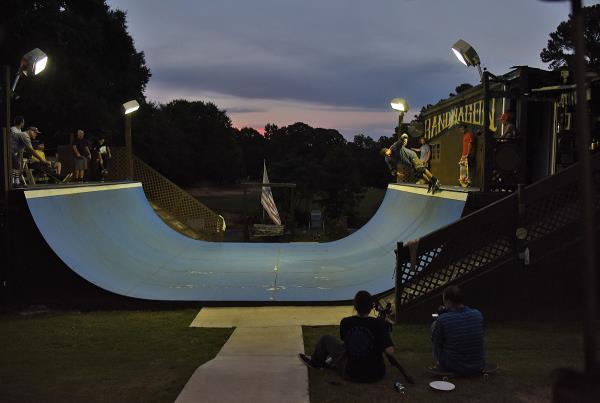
x=444 y=164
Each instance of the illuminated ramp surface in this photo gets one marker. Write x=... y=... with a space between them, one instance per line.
x=111 y=236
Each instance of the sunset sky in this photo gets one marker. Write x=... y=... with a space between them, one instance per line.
x=329 y=63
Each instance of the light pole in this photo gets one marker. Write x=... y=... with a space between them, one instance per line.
x=128 y=108
x=586 y=190
x=32 y=63
x=400 y=105
x=467 y=55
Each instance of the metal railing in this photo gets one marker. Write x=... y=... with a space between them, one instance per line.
x=529 y=224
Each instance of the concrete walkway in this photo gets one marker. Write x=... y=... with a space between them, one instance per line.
x=258 y=363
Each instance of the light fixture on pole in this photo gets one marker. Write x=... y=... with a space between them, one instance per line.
x=32 y=64
x=467 y=55
x=131 y=106
x=400 y=105
x=128 y=108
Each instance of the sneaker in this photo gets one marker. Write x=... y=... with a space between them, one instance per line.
x=306 y=360
x=436 y=187
x=430 y=185
x=67 y=178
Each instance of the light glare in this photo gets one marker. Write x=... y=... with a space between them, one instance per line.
x=399 y=104
x=40 y=65
x=130 y=106
x=398 y=107
x=460 y=57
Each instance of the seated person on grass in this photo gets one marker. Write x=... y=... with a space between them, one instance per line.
x=359 y=356
x=457 y=336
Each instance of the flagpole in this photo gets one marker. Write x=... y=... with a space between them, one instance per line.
x=261 y=189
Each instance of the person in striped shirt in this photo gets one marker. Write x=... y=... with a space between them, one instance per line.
x=458 y=336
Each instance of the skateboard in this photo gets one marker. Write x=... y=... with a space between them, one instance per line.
x=490 y=368
x=463 y=175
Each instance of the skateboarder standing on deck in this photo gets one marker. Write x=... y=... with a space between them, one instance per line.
x=399 y=154
x=467 y=158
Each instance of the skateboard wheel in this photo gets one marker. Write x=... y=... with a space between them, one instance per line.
x=485 y=377
x=445 y=378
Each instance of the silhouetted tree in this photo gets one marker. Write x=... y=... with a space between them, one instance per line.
x=463 y=87
x=560 y=49
x=419 y=117
x=93 y=65
x=253 y=146
x=207 y=134
x=370 y=165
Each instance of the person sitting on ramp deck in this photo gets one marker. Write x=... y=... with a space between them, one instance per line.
x=359 y=356
x=400 y=155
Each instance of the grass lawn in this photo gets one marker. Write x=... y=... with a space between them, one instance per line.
x=102 y=356
x=149 y=356
x=525 y=353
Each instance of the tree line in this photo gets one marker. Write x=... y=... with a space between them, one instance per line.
x=94 y=67
x=194 y=141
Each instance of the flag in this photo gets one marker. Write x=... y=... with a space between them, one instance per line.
x=266 y=198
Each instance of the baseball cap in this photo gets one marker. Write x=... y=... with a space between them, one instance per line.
x=34 y=129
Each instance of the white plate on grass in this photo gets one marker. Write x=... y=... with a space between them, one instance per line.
x=442 y=385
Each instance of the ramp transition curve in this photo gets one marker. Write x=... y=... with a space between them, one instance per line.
x=111 y=236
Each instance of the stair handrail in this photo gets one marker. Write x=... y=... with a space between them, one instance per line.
x=509 y=228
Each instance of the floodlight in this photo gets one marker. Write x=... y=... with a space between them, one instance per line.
x=467 y=55
x=130 y=106
x=32 y=64
x=399 y=104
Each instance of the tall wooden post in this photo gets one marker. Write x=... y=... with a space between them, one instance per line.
x=128 y=146
x=6 y=157
x=586 y=183
x=398 y=281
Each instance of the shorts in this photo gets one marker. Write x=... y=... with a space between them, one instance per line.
x=17 y=161
x=81 y=163
x=418 y=167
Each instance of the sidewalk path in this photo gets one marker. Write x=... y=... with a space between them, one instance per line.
x=258 y=363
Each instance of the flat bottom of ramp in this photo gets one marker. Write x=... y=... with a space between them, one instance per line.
x=272 y=316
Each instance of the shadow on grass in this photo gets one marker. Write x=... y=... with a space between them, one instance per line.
x=526 y=355
x=102 y=356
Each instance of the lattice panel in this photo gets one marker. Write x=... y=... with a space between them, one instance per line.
x=450 y=268
x=117 y=165
x=407 y=272
x=484 y=239
x=553 y=212
x=168 y=196
x=556 y=211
